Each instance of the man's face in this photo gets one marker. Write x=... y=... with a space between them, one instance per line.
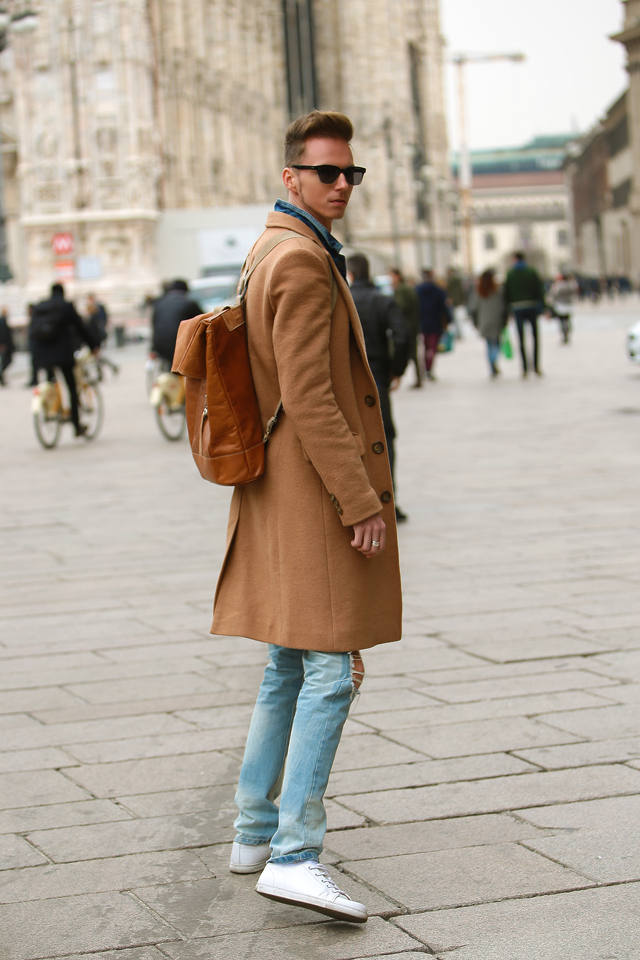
x=395 y=280
x=325 y=201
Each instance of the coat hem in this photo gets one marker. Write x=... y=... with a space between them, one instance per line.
x=343 y=645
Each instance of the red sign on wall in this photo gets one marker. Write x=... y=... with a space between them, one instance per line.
x=62 y=244
x=65 y=269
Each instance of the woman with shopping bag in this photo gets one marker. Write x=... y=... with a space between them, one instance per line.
x=488 y=310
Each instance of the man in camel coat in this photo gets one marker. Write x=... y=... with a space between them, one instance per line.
x=311 y=566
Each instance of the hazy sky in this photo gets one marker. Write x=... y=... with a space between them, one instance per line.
x=572 y=73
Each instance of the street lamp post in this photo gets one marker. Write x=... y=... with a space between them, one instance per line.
x=14 y=18
x=465 y=178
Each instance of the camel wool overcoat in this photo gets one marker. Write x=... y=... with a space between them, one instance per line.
x=290 y=575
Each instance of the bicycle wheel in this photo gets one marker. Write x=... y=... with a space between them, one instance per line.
x=91 y=409
x=170 y=421
x=47 y=427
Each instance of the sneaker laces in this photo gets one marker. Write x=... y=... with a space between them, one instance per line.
x=323 y=875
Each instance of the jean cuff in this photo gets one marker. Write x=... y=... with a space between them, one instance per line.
x=252 y=843
x=297 y=857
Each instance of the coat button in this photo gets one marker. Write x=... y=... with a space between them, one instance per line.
x=385 y=497
x=339 y=511
x=332 y=498
x=370 y=401
x=378 y=447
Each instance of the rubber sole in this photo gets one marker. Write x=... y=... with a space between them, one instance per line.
x=325 y=911
x=249 y=868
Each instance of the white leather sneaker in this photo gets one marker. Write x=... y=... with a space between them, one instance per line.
x=248 y=859
x=309 y=884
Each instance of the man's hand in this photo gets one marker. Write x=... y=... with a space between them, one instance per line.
x=369 y=536
x=395 y=383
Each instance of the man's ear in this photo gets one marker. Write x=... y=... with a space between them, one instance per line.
x=288 y=179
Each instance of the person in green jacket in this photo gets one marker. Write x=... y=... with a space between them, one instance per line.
x=524 y=295
x=407 y=299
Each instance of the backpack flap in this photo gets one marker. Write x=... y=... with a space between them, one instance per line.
x=189 y=355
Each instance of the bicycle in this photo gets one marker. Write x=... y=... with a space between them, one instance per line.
x=167 y=396
x=48 y=405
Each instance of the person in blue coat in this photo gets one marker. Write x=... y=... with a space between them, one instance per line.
x=432 y=301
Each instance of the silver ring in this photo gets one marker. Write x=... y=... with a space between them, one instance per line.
x=375 y=543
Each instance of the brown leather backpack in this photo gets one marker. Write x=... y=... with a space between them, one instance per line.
x=223 y=418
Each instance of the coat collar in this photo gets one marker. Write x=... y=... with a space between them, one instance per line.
x=283 y=221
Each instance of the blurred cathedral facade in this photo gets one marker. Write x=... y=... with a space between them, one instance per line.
x=115 y=114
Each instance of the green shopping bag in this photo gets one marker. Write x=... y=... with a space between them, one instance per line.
x=505 y=344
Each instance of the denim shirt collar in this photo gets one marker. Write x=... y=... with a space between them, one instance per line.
x=329 y=241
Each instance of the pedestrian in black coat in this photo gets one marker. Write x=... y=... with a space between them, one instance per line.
x=6 y=344
x=168 y=313
x=54 y=323
x=388 y=342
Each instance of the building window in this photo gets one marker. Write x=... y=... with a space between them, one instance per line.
x=620 y=195
x=299 y=46
x=489 y=241
x=563 y=238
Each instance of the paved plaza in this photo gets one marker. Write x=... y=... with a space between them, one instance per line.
x=485 y=801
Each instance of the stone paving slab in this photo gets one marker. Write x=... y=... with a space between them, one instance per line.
x=84 y=923
x=481 y=736
x=583 y=754
x=604 y=856
x=119 y=838
x=602 y=724
x=100 y=875
x=426 y=772
x=538 y=705
x=590 y=924
x=424 y=881
x=165 y=745
x=52 y=815
x=314 y=941
x=163 y=773
x=395 y=841
x=589 y=814
x=22 y=737
x=495 y=795
x=37 y=787
x=16 y=852
x=521 y=686
x=137 y=953
x=132 y=708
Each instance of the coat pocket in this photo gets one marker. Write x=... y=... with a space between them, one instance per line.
x=359 y=443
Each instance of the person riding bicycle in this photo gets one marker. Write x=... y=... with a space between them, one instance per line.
x=168 y=313
x=53 y=325
x=97 y=322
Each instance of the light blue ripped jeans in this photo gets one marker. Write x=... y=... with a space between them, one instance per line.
x=301 y=709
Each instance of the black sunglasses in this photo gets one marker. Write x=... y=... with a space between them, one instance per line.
x=328 y=173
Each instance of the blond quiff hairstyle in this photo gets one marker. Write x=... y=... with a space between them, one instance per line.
x=318 y=123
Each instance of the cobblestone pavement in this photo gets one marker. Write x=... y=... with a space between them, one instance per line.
x=485 y=802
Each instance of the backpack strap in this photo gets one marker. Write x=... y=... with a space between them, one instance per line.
x=263 y=252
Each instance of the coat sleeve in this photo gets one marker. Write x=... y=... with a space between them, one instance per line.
x=301 y=335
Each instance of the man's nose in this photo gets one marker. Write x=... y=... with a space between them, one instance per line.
x=341 y=182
